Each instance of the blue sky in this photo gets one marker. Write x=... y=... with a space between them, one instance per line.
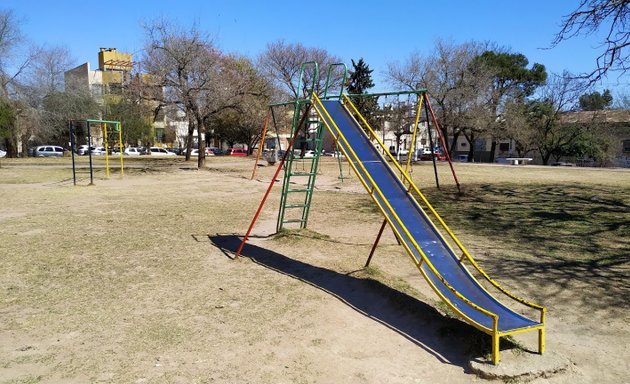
x=378 y=31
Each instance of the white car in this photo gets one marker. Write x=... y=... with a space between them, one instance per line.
x=195 y=152
x=158 y=151
x=2 y=153
x=82 y=150
x=96 y=151
x=131 y=151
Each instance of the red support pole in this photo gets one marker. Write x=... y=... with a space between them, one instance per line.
x=378 y=238
x=439 y=132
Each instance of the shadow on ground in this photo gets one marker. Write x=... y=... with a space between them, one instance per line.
x=449 y=340
x=573 y=233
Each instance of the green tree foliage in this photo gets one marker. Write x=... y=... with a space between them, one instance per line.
x=243 y=122
x=59 y=108
x=509 y=74
x=360 y=77
x=508 y=79
x=596 y=101
x=359 y=82
x=454 y=88
x=135 y=119
x=7 y=124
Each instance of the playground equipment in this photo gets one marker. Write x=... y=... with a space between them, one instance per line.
x=307 y=135
x=435 y=250
x=117 y=129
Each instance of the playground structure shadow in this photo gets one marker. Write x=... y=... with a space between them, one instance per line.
x=449 y=340
x=573 y=233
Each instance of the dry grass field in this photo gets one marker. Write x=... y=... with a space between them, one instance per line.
x=127 y=281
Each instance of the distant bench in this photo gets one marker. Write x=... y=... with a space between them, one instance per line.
x=519 y=160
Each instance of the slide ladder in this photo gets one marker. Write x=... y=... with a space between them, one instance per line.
x=438 y=254
x=300 y=173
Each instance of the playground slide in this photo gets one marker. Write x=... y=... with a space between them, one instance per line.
x=453 y=282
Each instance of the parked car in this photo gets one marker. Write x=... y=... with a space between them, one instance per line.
x=2 y=153
x=426 y=155
x=159 y=151
x=236 y=152
x=195 y=152
x=217 y=151
x=49 y=151
x=132 y=151
x=98 y=151
x=82 y=150
x=308 y=154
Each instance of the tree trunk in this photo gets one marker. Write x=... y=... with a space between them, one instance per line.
x=24 y=139
x=545 y=157
x=189 y=138
x=453 y=143
x=11 y=144
x=444 y=132
x=493 y=148
x=201 y=131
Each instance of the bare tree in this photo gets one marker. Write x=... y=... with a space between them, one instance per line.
x=46 y=72
x=515 y=120
x=181 y=65
x=13 y=61
x=561 y=94
x=190 y=72
x=281 y=63
x=42 y=79
x=592 y=15
x=243 y=123
x=445 y=74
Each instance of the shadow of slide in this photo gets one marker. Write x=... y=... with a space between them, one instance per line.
x=449 y=340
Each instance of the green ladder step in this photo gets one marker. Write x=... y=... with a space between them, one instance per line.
x=297 y=190
x=302 y=174
x=295 y=206
x=293 y=221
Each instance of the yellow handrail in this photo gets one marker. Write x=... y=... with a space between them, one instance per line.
x=438 y=217
x=374 y=188
x=415 y=132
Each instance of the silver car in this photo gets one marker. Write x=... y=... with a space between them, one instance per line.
x=49 y=151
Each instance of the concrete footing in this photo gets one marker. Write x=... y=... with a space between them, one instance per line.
x=520 y=365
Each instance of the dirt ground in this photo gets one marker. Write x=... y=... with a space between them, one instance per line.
x=128 y=281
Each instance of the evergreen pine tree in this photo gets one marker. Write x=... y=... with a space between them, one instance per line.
x=360 y=82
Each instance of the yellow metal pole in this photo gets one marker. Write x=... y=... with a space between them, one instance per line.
x=120 y=147
x=415 y=132
x=495 y=341
x=106 y=150
x=262 y=142
x=541 y=332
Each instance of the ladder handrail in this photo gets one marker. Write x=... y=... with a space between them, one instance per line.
x=343 y=81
